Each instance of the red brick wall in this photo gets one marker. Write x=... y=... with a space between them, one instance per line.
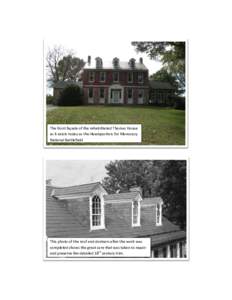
x=123 y=78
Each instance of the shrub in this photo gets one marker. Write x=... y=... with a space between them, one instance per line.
x=179 y=102
x=49 y=99
x=70 y=96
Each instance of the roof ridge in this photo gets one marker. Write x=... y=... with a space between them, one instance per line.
x=63 y=187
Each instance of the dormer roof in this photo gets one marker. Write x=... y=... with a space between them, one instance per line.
x=122 y=65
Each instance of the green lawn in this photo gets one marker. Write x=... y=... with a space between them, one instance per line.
x=160 y=126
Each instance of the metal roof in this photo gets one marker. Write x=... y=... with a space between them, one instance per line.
x=76 y=189
x=122 y=196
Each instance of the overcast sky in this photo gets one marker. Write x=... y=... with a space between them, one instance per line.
x=106 y=48
x=74 y=172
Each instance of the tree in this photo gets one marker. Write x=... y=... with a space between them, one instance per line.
x=156 y=178
x=70 y=96
x=172 y=188
x=171 y=55
x=164 y=75
x=62 y=65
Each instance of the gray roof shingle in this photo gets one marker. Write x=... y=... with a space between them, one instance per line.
x=162 y=85
x=76 y=189
x=122 y=196
x=123 y=65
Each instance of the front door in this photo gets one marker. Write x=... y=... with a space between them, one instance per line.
x=116 y=96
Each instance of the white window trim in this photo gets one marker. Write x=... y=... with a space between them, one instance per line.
x=104 y=76
x=93 y=76
x=139 y=214
x=156 y=210
x=142 y=76
x=102 y=226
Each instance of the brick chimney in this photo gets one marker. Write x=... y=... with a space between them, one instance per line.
x=136 y=189
x=89 y=60
x=141 y=60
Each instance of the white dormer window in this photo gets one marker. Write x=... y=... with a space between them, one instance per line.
x=132 y=63
x=135 y=213
x=98 y=63
x=158 y=213
x=96 y=213
x=116 y=62
x=91 y=76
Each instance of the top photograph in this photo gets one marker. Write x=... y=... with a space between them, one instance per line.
x=131 y=94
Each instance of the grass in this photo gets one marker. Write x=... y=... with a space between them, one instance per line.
x=160 y=126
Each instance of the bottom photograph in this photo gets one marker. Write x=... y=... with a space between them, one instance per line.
x=116 y=210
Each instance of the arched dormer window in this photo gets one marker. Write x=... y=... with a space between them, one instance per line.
x=116 y=62
x=96 y=213
x=135 y=213
x=98 y=62
x=132 y=63
x=158 y=212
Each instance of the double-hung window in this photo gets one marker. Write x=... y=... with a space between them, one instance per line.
x=102 y=76
x=140 y=77
x=91 y=76
x=96 y=213
x=158 y=214
x=135 y=213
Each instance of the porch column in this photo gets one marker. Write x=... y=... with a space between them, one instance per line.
x=168 y=251
x=178 y=250
x=152 y=253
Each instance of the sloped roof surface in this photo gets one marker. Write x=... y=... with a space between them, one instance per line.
x=76 y=189
x=122 y=196
x=60 y=222
x=123 y=65
x=151 y=201
x=162 y=85
x=64 y=84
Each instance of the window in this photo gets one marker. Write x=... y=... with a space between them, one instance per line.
x=164 y=250
x=158 y=214
x=116 y=62
x=102 y=93
x=90 y=92
x=130 y=93
x=130 y=77
x=115 y=76
x=96 y=213
x=91 y=76
x=140 y=77
x=140 y=94
x=135 y=213
x=102 y=76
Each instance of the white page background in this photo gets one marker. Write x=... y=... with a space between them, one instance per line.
x=23 y=25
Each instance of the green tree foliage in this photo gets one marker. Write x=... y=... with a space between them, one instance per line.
x=156 y=178
x=70 y=96
x=170 y=54
x=164 y=75
x=62 y=65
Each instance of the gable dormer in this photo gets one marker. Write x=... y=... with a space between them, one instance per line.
x=115 y=62
x=99 y=62
x=132 y=63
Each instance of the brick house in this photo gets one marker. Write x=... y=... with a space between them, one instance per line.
x=88 y=211
x=115 y=82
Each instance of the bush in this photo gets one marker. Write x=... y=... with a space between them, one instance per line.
x=70 y=96
x=179 y=102
x=49 y=99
